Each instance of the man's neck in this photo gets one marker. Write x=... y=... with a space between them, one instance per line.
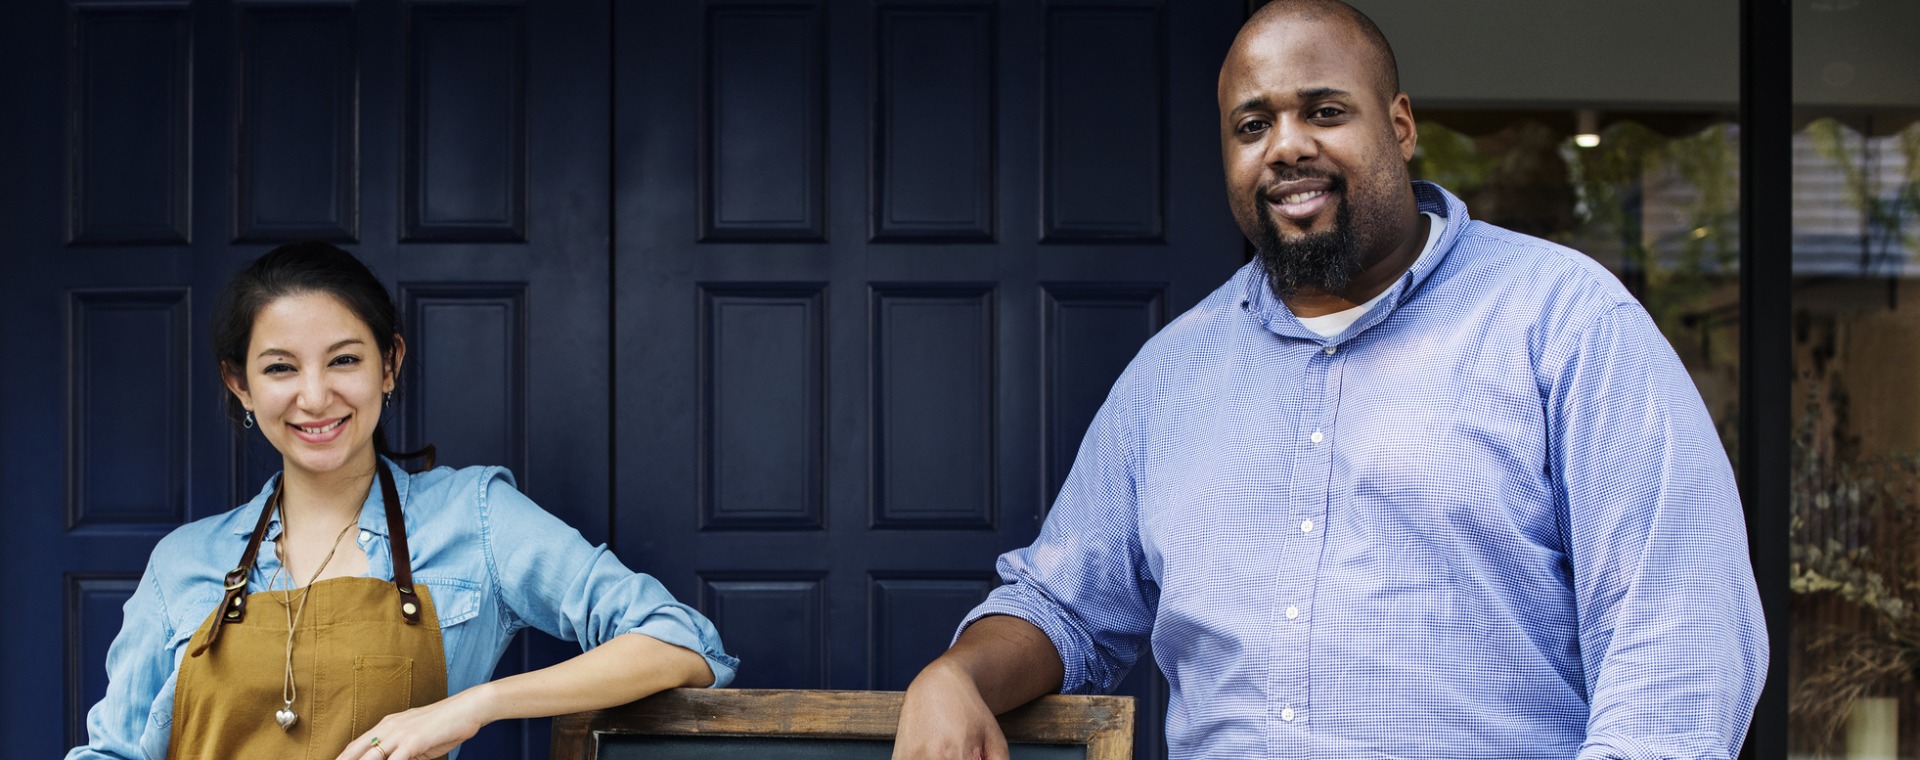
x=1311 y=302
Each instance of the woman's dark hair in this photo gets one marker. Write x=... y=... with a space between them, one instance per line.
x=293 y=269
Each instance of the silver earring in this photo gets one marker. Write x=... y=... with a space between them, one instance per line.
x=386 y=399
x=247 y=421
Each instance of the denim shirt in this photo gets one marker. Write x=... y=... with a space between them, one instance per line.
x=493 y=561
x=1490 y=519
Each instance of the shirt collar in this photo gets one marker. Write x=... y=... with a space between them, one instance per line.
x=1273 y=313
x=373 y=513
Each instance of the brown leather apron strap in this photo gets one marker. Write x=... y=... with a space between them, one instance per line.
x=397 y=543
x=233 y=606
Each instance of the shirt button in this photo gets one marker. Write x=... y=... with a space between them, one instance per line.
x=1306 y=526
x=1293 y=612
x=365 y=536
x=1287 y=715
x=1329 y=350
x=1317 y=437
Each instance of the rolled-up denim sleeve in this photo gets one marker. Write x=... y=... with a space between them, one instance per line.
x=1083 y=581
x=550 y=578
x=139 y=663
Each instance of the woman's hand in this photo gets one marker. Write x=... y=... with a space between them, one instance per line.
x=621 y=670
x=423 y=733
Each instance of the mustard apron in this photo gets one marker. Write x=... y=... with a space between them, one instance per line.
x=364 y=649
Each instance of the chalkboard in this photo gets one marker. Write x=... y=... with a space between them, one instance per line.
x=726 y=724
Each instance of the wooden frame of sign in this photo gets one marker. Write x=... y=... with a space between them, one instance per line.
x=1104 y=725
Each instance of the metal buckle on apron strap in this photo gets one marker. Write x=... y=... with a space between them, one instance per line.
x=233 y=606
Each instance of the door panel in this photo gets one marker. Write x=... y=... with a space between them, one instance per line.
x=763 y=407
x=297 y=143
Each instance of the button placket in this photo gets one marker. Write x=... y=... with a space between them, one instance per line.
x=1301 y=547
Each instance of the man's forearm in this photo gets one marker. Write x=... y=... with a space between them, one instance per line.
x=1010 y=661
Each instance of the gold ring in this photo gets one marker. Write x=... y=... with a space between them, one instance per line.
x=375 y=741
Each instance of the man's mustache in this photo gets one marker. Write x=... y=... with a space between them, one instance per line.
x=1335 y=182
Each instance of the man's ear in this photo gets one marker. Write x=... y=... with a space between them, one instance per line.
x=1405 y=131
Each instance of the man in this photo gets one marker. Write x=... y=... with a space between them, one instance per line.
x=1408 y=485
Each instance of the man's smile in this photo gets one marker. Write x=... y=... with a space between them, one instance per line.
x=1301 y=200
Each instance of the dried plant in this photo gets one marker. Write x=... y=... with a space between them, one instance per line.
x=1853 y=553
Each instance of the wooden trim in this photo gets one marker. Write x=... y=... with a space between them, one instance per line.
x=1104 y=724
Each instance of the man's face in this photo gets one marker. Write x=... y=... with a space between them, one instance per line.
x=1315 y=152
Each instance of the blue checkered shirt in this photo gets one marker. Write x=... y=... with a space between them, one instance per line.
x=1489 y=520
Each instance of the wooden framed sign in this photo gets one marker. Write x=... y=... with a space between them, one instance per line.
x=723 y=724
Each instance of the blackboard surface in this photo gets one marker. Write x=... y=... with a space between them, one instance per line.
x=735 y=747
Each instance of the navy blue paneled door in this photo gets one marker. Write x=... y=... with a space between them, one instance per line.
x=802 y=305
x=878 y=263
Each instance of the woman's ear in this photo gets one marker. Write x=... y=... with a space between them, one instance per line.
x=395 y=357
x=236 y=381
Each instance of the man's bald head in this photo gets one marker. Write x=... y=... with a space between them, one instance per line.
x=1386 y=68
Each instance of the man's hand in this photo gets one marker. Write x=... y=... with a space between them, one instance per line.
x=999 y=663
x=944 y=718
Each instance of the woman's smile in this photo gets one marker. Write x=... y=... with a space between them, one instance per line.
x=320 y=432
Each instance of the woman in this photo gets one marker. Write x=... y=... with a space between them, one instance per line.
x=363 y=595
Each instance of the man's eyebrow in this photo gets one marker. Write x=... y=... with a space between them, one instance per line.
x=1309 y=94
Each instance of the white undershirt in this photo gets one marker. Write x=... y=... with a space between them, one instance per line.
x=1338 y=322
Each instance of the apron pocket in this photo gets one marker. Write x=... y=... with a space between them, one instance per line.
x=382 y=686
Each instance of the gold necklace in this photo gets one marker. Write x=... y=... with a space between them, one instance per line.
x=288 y=692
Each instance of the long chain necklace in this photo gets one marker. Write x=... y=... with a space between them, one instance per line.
x=288 y=692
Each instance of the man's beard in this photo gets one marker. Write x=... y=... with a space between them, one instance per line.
x=1326 y=261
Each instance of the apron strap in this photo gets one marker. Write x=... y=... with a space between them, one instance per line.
x=233 y=606
x=397 y=542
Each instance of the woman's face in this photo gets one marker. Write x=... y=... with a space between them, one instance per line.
x=313 y=380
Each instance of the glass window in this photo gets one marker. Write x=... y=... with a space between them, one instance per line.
x=1653 y=196
x=1855 y=539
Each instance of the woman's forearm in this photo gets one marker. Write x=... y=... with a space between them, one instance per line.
x=623 y=669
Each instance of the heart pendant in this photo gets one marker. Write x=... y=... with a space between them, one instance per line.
x=286 y=718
